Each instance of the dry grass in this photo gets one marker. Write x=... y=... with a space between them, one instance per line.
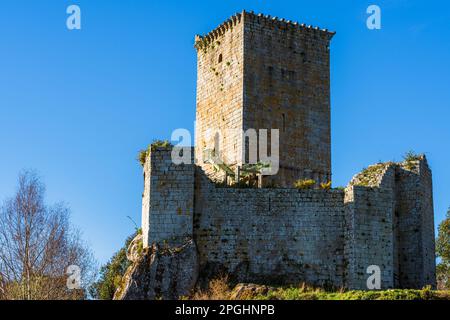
x=304 y=184
x=218 y=289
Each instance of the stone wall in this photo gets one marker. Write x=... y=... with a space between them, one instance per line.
x=270 y=235
x=390 y=217
x=284 y=235
x=369 y=238
x=167 y=201
x=415 y=225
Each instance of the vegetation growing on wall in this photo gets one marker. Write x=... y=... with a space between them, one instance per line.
x=304 y=184
x=410 y=158
x=325 y=185
x=143 y=154
x=369 y=176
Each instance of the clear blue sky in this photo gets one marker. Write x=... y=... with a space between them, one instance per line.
x=78 y=105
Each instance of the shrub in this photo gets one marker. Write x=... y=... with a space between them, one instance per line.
x=304 y=184
x=443 y=252
x=411 y=156
x=218 y=289
x=143 y=154
x=325 y=185
x=111 y=273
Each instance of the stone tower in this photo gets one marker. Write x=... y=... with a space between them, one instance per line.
x=258 y=72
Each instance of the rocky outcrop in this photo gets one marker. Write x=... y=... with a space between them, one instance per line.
x=159 y=272
x=244 y=291
x=134 y=250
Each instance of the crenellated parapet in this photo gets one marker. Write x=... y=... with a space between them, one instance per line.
x=201 y=42
x=266 y=21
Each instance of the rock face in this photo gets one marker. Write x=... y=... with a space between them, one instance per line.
x=160 y=272
x=248 y=290
x=134 y=250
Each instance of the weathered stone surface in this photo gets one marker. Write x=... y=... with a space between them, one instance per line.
x=166 y=273
x=285 y=235
x=134 y=250
x=255 y=72
x=244 y=291
x=261 y=73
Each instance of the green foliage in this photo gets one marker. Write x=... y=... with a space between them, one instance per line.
x=443 y=276
x=143 y=154
x=410 y=159
x=443 y=252
x=411 y=156
x=302 y=293
x=304 y=184
x=112 y=272
x=443 y=240
x=248 y=172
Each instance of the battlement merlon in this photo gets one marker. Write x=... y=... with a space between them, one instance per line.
x=266 y=20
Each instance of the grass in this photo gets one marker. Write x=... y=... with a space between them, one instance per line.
x=219 y=289
x=320 y=294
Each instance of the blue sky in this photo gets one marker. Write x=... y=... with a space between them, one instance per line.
x=77 y=105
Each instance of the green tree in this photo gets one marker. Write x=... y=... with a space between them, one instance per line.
x=443 y=252
x=112 y=272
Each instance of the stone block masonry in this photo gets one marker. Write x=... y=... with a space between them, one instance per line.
x=284 y=235
x=369 y=235
x=270 y=235
x=168 y=199
x=258 y=72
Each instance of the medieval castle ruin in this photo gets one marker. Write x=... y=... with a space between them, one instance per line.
x=259 y=72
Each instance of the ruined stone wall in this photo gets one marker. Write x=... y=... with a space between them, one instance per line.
x=287 y=87
x=390 y=219
x=167 y=201
x=369 y=235
x=270 y=235
x=415 y=225
x=284 y=235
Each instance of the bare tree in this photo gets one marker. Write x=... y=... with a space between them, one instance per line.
x=37 y=245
